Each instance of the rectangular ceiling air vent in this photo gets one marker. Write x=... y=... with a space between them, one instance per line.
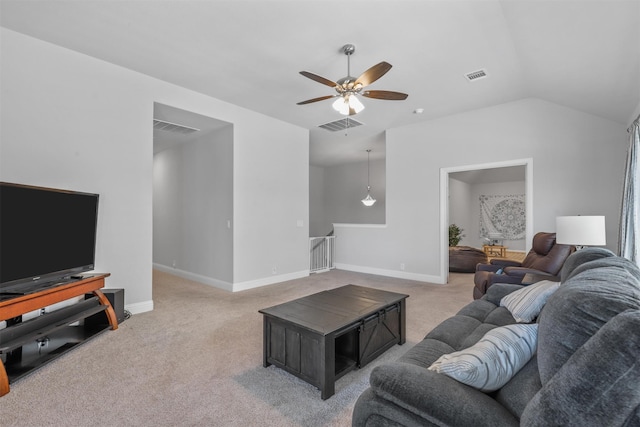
x=476 y=75
x=172 y=127
x=341 y=124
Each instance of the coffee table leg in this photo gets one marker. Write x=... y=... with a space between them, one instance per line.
x=403 y=321
x=265 y=341
x=328 y=367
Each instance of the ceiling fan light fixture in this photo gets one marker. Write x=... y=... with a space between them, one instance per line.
x=348 y=105
x=348 y=87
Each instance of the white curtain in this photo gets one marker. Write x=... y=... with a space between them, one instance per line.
x=629 y=247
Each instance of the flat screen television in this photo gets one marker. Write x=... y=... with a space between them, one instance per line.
x=46 y=235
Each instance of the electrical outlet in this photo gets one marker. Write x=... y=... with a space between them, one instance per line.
x=402 y=266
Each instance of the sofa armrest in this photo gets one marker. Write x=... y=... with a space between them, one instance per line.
x=504 y=278
x=598 y=385
x=505 y=262
x=487 y=267
x=436 y=397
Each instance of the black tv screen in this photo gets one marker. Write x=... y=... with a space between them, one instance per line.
x=46 y=235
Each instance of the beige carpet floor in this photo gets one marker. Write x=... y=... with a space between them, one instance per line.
x=196 y=360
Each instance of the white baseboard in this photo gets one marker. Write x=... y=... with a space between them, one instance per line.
x=250 y=284
x=139 y=307
x=393 y=273
x=220 y=284
x=231 y=287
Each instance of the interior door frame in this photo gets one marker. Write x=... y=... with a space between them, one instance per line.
x=444 y=204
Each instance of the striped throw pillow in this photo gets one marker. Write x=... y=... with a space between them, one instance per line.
x=494 y=360
x=525 y=304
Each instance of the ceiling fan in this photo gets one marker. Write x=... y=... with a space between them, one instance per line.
x=349 y=87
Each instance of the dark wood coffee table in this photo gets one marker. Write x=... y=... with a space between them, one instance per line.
x=321 y=337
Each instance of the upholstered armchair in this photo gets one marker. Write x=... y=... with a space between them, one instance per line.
x=546 y=257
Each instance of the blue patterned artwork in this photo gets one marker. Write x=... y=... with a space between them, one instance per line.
x=503 y=214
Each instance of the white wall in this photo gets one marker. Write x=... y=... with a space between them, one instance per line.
x=71 y=121
x=67 y=122
x=578 y=166
x=338 y=191
x=318 y=225
x=460 y=207
x=271 y=197
x=193 y=208
x=345 y=186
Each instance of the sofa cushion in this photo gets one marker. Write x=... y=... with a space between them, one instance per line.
x=455 y=330
x=598 y=385
x=488 y=313
x=594 y=293
x=518 y=392
x=426 y=352
x=525 y=304
x=460 y=331
x=470 y=324
x=491 y=362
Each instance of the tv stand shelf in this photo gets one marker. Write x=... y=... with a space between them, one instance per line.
x=26 y=344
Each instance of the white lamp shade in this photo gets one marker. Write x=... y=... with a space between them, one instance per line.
x=581 y=230
x=345 y=104
x=355 y=103
x=368 y=201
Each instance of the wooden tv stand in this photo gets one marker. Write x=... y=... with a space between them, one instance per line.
x=56 y=323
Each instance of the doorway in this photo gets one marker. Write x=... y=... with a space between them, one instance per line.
x=193 y=196
x=495 y=169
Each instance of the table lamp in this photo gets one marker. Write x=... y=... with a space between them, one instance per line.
x=581 y=231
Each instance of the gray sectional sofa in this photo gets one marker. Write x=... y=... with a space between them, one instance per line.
x=585 y=371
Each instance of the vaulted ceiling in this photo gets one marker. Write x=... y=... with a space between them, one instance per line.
x=580 y=54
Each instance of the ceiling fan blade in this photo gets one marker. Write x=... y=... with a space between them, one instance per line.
x=321 y=98
x=384 y=94
x=373 y=73
x=318 y=79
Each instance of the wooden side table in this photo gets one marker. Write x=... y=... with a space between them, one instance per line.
x=495 y=250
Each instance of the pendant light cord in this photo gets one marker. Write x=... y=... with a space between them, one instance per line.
x=368 y=166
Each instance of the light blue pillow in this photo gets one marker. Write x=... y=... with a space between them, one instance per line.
x=494 y=360
x=525 y=304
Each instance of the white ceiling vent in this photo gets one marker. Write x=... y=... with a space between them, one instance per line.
x=341 y=124
x=476 y=75
x=172 y=127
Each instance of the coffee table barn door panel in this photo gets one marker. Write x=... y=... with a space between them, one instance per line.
x=379 y=332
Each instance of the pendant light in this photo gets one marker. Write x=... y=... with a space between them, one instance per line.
x=368 y=201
